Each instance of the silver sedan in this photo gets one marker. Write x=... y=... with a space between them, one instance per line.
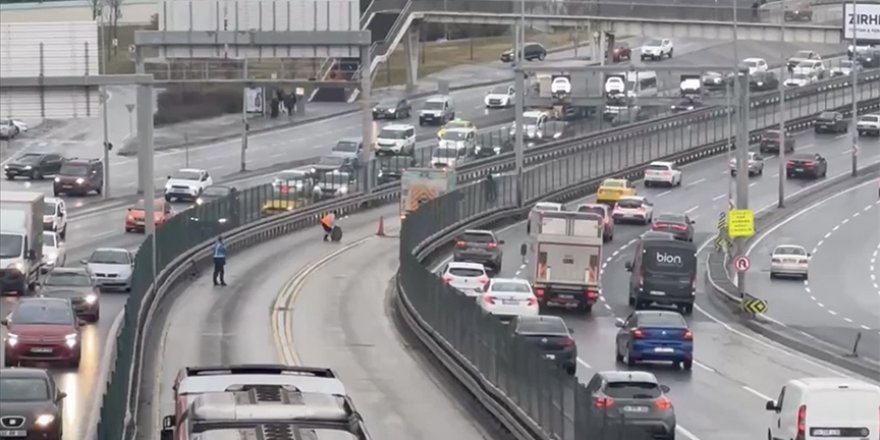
x=789 y=260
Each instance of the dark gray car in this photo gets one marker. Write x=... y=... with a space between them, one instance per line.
x=479 y=246
x=679 y=225
x=551 y=337
x=329 y=164
x=629 y=405
x=30 y=404
x=351 y=150
x=77 y=285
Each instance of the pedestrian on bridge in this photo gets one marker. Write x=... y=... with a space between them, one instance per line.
x=219 y=262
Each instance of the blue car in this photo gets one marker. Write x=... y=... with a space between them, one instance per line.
x=655 y=335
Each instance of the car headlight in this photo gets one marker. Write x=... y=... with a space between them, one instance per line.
x=313 y=170
x=381 y=173
x=760 y=83
x=390 y=110
x=316 y=189
x=28 y=167
x=221 y=221
x=57 y=179
x=16 y=266
x=342 y=190
x=44 y=420
x=91 y=298
x=80 y=180
x=200 y=201
x=497 y=150
x=12 y=339
x=70 y=340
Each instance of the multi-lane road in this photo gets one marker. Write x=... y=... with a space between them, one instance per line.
x=841 y=297
x=103 y=227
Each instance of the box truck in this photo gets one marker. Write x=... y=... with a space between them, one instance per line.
x=21 y=240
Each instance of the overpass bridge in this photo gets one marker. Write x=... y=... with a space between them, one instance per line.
x=696 y=19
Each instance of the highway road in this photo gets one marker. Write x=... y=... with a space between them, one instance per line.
x=841 y=298
x=735 y=371
x=104 y=227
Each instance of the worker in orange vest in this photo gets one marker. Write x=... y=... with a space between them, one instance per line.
x=328 y=222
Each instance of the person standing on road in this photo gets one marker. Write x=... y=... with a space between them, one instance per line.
x=328 y=222
x=219 y=262
x=491 y=190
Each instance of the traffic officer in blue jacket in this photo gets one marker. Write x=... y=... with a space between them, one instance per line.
x=219 y=262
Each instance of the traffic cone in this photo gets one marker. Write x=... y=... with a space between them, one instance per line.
x=381 y=231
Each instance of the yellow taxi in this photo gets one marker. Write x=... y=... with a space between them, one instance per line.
x=457 y=124
x=611 y=190
x=280 y=203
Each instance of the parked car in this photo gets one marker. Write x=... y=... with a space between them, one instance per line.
x=808 y=165
x=34 y=166
x=828 y=121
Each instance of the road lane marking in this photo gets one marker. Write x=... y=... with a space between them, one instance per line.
x=696 y=182
x=832 y=312
x=690 y=210
x=756 y=392
x=667 y=192
x=717 y=198
x=681 y=430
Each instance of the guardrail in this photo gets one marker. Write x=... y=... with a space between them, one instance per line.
x=184 y=242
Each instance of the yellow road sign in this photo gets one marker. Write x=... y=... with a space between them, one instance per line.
x=755 y=305
x=741 y=223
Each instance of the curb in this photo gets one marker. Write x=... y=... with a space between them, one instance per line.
x=805 y=342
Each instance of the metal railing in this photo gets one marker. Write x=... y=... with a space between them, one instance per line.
x=185 y=240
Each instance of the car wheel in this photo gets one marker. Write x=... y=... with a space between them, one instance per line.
x=628 y=360
x=584 y=308
x=96 y=317
x=688 y=364
x=9 y=361
x=37 y=175
x=687 y=309
x=806 y=276
x=617 y=357
x=772 y=275
x=639 y=305
x=647 y=184
x=542 y=56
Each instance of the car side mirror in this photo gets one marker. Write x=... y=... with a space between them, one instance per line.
x=618 y=324
x=4 y=322
x=60 y=396
x=693 y=222
x=84 y=261
x=478 y=290
x=771 y=406
x=809 y=255
x=80 y=323
x=664 y=388
x=168 y=177
x=522 y=249
x=628 y=266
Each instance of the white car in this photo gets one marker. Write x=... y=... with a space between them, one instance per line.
x=54 y=251
x=534 y=123
x=547 y=207
x=813 y=68
x=755 y=65
x=666 y=173
x=111 y=267
x=560 y=87
x=858 y=49
x=802 y=55
x=397 y=139
x=845 y=68
x=657 y=49
x=756 y=165
x=55 y=216
x=509 y=297
x=818 y=408
x=187 y=184
x=799 y=80
x=446 y=156
x=500 y=97
x=461 y=138
x=466 y=277
x=789 y=260
x=633 y=209
x=868 y=125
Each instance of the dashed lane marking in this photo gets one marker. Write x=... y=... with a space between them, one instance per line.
x=717 y=198
x=690 y=210
x=696 y=182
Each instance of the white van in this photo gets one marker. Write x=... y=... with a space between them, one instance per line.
x=396 y=139
x=641 y=84
x=823 y=408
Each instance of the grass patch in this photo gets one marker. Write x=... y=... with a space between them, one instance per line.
x=438 y=56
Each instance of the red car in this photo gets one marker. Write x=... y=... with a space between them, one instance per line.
x=162 y=213
x=621 y=52
x=42 y=330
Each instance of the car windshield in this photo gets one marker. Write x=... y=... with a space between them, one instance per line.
x=506 y=286
x=803 y=54
x=388 y=103
x=771 y=134
x=29 y=158
x=658 y=167
x=139 y=206
x=612 y=184
x=23 y=389
x=455 y=135
x=10 y=245
x=65 y=278
x=654 y=43
x=827 y=115
x=5 y=122
x=43 y=312
x=336 y=178
x=434 y=105
x=661 y=319
x=632 y=390
x=392 y=134
x=871 y=118
x=530 y=120
x=346 y=146
x=751 y=63
x=74 y=169
x=670 y=218
x=446 y=152
x=592 y=210
x=49 y=208
x=499 y=90
x=289 y=177
x=109 y=257
x=466 y=272
x=476 y=237
x=216 y=191
x=629 y=203
x=790 y=250
x=49 y=239
x=542 y=326
x=331 y=160
x=186 y=175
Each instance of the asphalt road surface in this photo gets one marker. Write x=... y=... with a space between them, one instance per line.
x=735 y=371
x=103 y=228
x=841 y=298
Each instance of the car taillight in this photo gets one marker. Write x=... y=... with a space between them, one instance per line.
x=641 y=279
x=488 y=299
x=663 y=404
x=492 y=245
x=447 y=279
x=539 y=293
x=592 y=295
x=801 y=422
x=789 y=164
x=694 y=283
x=532 y=302
x=459 y=244
x=803 y=261
x=638 y=333
x=567 y=343
x=679 y=227
x=484 y=280
x=687 y=335
x=776 y=260
x=658 y=226
x=604 y=403
x=809 y=163
x=285 y=189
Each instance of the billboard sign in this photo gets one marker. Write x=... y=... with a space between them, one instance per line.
x=865 y=20
x=255 y=100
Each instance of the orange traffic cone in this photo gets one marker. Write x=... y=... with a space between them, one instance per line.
x=381 y=231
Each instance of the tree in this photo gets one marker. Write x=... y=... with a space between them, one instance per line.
x=115 y=14
x=96 y=6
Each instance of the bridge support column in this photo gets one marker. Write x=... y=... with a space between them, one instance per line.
x=411 y=48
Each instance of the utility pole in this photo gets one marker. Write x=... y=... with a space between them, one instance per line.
x=244 y=120
x=729 y=90
x=520 y=97
x=105 y=192
x=782 y=135
x=742 y=164
x=145 y=158
x=855 y=102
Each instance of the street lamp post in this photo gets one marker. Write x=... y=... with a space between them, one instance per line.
x=855 y=103
x=105 y=193
x=782 y=134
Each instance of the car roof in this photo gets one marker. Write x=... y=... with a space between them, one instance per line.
x=657 y=313
x=193 y=170
x=397 y=126
x=662 y=162
x=301 y=170
x=753 y=59
x=796 y=246
x=633 y=198
x=534 y=113
x=628 y=376
x=438 y=98
x=110 y=249
x=478 y=231
x=349 y=139
x=670 y=216
x=509 y=280
x=466 y=265
x=832 y=383
x=24 y=372
x=614 y=180
x=79 y=270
